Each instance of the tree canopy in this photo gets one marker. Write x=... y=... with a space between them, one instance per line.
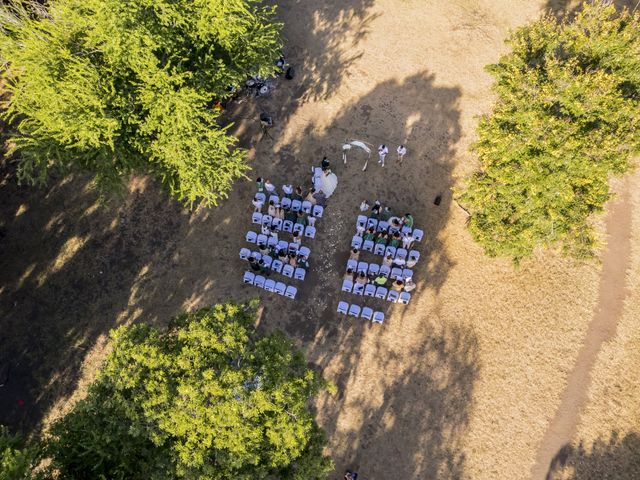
x=205 y=399
x=567 y=117
x=120 y=86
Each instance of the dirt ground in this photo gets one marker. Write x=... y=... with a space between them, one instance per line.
x=460 y=384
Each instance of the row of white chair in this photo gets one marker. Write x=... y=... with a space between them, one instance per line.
x=260 y=239
x=371 y=290
x=380 y=249
x=283 y=225
x=295 y=205
x=364 y=312
x=269 y=285
x=275 y=265
x=395 y=273
x=380 y=225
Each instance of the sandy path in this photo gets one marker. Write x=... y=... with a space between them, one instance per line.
x=611 y=296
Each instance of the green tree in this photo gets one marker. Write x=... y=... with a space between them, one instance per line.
x=120 y=86
x=17 y=461
x=206 y=399
x=567 y=117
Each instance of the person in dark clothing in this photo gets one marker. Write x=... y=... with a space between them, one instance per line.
x=325 y=164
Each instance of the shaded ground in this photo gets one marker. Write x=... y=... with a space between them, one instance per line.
x=459 y=384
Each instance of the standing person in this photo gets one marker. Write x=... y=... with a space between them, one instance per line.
x=298 y=194
x=407 y=241
x=364 y=206
x=382 y=152
x=375 y=210
x=386 y=214
x=407 y=220
x=260 y=184
x=274 y=233
x=325 y=164
x=272 y=208
x=310 y=196
x=402 y=151
x=270 y=187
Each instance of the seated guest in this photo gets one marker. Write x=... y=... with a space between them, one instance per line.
x=289 y=214
x=297 y=238
x=386 y=214
x=279 y=212
x=257 y=204
x=370 y=235
x=349 y=274
x=298 y=194
x=263 y=249
x=359 y=230
x=301 y=218
x=409 y=285
x=310 y=197
x=293 y=260
x=266 y=228
x=397 y=285
x=382 y=238
x=354 y=255
x=407 y=241
x=380 y=280
x=273 y=233
x=303 y=262
x=263 y=267
x=396 y=240
x=399 y=262
x=282 y=256
x=411 y=262
x=387 y=261
x=320 y=198
x=254 y=264
x=362 y=278
x=272 y=208
x=407 y=220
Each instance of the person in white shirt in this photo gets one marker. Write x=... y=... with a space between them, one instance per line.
x=409 y=285
x=402 y=151
x=257 y=204
x=382 y=152
x=272 y=209
x=411 y=262
x=399 y=262
x=407 y=241
x=288 y=190
x=269 y=187
x=364 y=206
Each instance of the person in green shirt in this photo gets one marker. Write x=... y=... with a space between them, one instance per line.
x=407 y=220
x=396 y=241
x=260 y=184
x=301 y=218
x=383 y=237
x=289 y=214
x=370 y=235
x=380 y=280
x=386 y=214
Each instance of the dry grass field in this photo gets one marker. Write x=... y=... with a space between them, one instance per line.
x=461 y=383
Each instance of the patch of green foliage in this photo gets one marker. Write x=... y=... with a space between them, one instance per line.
x=567 y=118
x=206 y=399
x=17 y=461
x=114 y=87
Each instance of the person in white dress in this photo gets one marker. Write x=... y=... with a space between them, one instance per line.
x=382 y=153
x=269 y=187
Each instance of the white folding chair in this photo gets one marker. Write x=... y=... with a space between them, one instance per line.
x=288 y=270
x=298 y=227
x=256 y=217
x=261 y=197
x=393 y=296
x=407 y=273
x=363 y=267
x=318 y=211
x=277 y=224
x=379 y=249
x=272 y=242
x=294 y=247
x=368 y=245
x=300 y=273
x=282 y=245
x=285 y=202
x=390 y=251
x=385 y=270
x=356 y=242
x=249 y=278
x=270 y=285
x=259 y=281
x=275 y=199
x=381 y=292
x=310 y=232
x=417 y=235
x=251 y=237
x=245 y=253
x=262 y=239
x=343 y=307
x=396 y=273
x=276 y=266
x=304 y=251
x=280 y=288
x=352 y=264
x=372 y=222
x=370 y=290
x=287 y=226
x=361 y=221
x=415 y=254
x=358 y=289
x=306 y=206
x=266 y=220
x=382 y=225
x=267 y=261
x=354 y=310
x=291 y=292
x=404 y=297
x=367 y=313
x=296 y=205
x=347 y=286
x=401 y=253
x=406 y=230
x=378 y=317
x=374 y=269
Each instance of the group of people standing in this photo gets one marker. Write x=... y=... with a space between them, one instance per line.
x=383 y=151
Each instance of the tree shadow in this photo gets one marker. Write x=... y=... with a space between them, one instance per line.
x=68 y=266
x=617 y=457
x=569 y=8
